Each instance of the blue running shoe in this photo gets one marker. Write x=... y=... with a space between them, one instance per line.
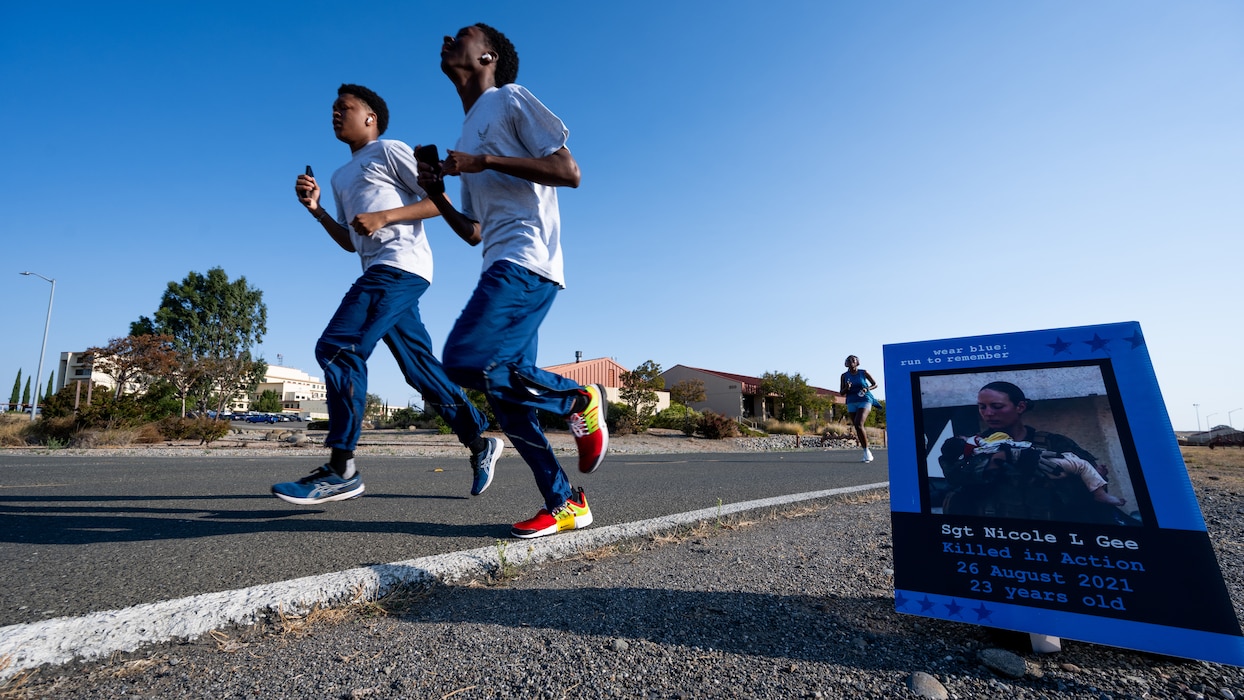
x=320 y=486
x=482 y=463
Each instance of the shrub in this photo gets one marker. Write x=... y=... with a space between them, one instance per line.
x=148 y=434
x=480 y=400
x=109 y=411
x=317 y=425
x=205 y=430
x=47 y=429
x=746 y=431
x=404 y=418
x=424 y=420
x=173 y=428
x=208 y=430
x=676 y=417
x=550 y=421
x=775 y=427
x=87 y=439
x=621 y=419
x=97 y=437
x=838 y=431
x=718 y=427
x=13 y=429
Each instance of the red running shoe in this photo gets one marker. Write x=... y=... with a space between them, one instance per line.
x=571 y=515
x=590 y=432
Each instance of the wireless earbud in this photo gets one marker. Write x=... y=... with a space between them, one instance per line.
x=486 y=59
x=369 y=121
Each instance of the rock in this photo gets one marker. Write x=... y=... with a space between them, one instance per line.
x=1003 y=662
x=621 y=645
x=926 y=686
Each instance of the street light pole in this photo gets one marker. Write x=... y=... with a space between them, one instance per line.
x=44 y=348
x=1197 y=406
x=1229 y=417
x=1208 y=425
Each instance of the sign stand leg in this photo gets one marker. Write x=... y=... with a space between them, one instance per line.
x=1045 y=644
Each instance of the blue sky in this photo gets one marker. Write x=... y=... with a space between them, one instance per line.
x=766 y=187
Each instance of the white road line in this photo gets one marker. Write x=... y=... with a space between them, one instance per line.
x=99 y=634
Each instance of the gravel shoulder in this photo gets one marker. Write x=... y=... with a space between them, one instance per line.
x=785 y=604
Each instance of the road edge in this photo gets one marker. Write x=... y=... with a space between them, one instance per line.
x=99 y=634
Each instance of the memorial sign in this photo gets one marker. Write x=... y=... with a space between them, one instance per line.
x=1036 y=485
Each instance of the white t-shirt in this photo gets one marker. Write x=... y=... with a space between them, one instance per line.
x=519 y=219
x=382 y=175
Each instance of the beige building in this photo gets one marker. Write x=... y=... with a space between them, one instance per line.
x=73 y=370
x=300 y=392
x=606 y=372
x=734 y=395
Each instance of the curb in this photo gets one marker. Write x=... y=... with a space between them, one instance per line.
x=61 y=640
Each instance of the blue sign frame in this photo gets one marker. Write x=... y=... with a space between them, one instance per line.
x=1015 y=531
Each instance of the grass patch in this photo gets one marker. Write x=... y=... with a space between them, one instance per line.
x=506 y=570
x=840 y=431
x=14 y=686
x=777 y=427
x=1224 y=466
x=13 y=429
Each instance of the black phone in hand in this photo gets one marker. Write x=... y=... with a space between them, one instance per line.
x=430 y=155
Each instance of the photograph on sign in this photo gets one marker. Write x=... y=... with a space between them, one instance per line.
x=1042 y=443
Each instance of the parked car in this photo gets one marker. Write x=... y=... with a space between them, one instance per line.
x=261 y=418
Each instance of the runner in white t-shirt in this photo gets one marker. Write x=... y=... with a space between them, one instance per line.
x=511 y=157
x=380 y=212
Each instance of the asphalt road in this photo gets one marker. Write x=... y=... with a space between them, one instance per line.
x=80 y=535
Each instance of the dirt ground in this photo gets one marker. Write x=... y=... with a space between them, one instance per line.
x=1221 y=468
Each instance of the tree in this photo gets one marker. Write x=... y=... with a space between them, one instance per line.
x=268 y=402
x=187 y=375
x=405 y=417
x=17 y=392
x=26 y=393
x=135 y=360
x=214 y=323
x=374 y=406
x=639 y=391
x=822 y=408
x=876 y=417
x=226 y=377
x=51 y=388
x=688 y=391
x=793 y=393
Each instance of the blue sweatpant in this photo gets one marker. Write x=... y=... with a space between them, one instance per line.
x=492 y=348
x=384 y=303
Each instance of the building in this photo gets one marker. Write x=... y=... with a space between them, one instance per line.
x=73 y=368
x=606 y=372
x=1215 y=436
x=300 y=392
x=734 y=395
